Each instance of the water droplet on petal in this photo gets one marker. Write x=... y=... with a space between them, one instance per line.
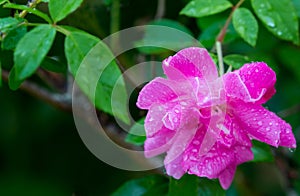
x=270 y=123
x=196 y=142
x=259 y=123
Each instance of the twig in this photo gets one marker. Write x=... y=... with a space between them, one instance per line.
x=222 y=33
x=62 y=101
x=31 y=4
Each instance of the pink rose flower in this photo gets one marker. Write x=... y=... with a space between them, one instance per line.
x=205 y=123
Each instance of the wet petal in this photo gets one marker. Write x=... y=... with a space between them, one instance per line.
x=190 y=62
x=254 y=82
x=159 y=142
x=183 y=137
x=156 y=91
x=262 y=124
x=174 y=168
x=259 y=78
x=153 y=121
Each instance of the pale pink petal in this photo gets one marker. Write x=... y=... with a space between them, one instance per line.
x=156 y=91
x=191 y=62
x=172 y=118
x=174 y=168
x=183 y=137
x=261 y=124
x=254 y=82
x=153 y=121
x=226 y=177
x=159 y=142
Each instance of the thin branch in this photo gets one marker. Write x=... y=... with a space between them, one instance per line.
x=222 y=33
x=62 y=101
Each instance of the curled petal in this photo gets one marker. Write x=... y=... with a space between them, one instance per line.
x=254 y=82
x=190 y=62
x=159 y=142
x=264 y=125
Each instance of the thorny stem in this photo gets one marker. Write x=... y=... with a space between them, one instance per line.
x=221 y=36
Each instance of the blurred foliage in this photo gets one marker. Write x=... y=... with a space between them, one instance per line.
x=40 y=150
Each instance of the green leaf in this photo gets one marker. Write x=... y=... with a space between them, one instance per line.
x=200 y=8
x=262 y=152
x=7 y=24
x=97 y=74
x=209 y=187
x=143 y=186
x=236 y=60
x=297 y=6
x=53 y=65
x=60 y=9
x=3 y=1
x=186 y=185
x=279 y=17
x=45 y=1
x=137 y=133
x=245 y=25
x=77 y=45
x=13 y=82
x=159 y=38
x=32 y=49
x=12 y=38
x=30 y=10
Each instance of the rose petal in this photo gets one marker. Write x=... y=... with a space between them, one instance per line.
x=253 y=82
x=174 y=168
x=258 y=77
x=226 y=177
x=262 y=124
x=183 y=137
x=287 y=138
x=190 y=62
x=156 y=91
x=159 y=142
x=153 y=121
